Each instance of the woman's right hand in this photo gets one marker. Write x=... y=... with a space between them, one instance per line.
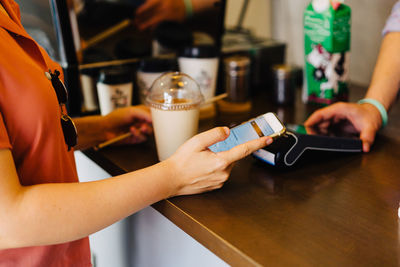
x=365 y=119
x=197 y=169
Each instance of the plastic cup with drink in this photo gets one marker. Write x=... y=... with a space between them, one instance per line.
x=174 y=100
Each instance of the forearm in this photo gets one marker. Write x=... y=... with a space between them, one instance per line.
x=93 y=130
x=202 y=5
x=56 y=213
x=386 y=77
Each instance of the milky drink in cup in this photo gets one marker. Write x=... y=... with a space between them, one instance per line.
x=174 y=101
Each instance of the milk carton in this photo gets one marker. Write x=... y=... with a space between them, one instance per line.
x=327 y=45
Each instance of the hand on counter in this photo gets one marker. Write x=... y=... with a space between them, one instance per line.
x=365 y=119
x=197 y=169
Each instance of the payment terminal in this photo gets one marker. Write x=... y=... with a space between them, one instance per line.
x=286 y=150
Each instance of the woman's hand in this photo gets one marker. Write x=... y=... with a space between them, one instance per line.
x=93 y=130
x=365 y=119
x=135 y=119
x=197 y=169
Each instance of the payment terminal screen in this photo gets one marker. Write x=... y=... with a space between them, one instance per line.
x=251 y=130
x=338 y=130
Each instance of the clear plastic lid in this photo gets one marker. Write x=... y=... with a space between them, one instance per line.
x=174 y=91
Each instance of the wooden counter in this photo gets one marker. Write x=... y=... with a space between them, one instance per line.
x=339 y=210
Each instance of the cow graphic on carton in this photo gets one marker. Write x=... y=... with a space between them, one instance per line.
x=329 y=68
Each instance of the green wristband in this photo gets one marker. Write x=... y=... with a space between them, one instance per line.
x=188 y=8
x=379 y=106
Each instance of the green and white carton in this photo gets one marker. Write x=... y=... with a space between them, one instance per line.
x=327 y=50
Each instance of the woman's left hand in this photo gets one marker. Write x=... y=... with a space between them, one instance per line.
x=134 y=119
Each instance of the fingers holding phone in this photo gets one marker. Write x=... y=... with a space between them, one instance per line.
x=198 y=168
x=240 y=151
x=265 y=125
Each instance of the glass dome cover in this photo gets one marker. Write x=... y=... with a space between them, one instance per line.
x=174 y=91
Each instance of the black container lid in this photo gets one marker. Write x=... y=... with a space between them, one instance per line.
x=92 y=56
x=199 y=51
x=115 y=76
x=132 y=47
x=157 y=65
x=173 y=35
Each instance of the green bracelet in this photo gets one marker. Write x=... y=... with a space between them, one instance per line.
x=379 y=106
x=188 y=8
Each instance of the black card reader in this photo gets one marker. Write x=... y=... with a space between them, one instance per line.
x=286 y=150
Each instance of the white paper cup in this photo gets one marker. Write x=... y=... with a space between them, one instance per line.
x=90 y=100
x=201 y=63
x=144 y=82
x=112 y=97
x=114 y=89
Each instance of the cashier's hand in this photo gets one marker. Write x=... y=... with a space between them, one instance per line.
x=197 y=169
x=152 y=12
x=364 y=118
x=134 y=119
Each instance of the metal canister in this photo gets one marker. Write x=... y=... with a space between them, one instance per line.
x=237 y=78
x=284 y=84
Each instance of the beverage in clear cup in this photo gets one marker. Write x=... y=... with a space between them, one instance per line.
x=174 y=100
x=173 y=128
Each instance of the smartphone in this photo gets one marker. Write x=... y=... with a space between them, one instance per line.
x=265 y=125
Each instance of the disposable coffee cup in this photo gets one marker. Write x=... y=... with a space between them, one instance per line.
x=174 y=100
x=89 y=93
x=201 y=63
x=149 y=70
x=114 y=89
x=89 y=77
